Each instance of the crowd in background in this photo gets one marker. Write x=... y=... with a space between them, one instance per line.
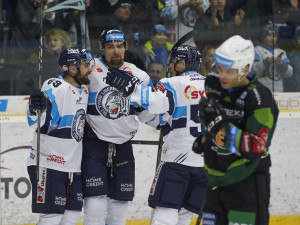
x=151 y=28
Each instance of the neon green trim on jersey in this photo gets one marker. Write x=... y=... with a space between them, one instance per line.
x=264 y=116
x=213 y=172
x=237 y=163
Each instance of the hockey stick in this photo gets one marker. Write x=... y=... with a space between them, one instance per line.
x=38 y=141
x=142 y=142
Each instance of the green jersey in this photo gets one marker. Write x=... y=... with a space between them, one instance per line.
x=252 y=114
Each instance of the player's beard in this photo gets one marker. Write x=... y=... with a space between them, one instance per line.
x=115 y=62
x=83 y=79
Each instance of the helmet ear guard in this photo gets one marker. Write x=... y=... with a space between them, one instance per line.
x=235 y=53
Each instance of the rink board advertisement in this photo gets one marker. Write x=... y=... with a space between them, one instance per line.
x=16 y=139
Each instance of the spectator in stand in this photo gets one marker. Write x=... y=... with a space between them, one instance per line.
x=156 y=71
x=218 y=24
x=24 y=28
x=145 y=14
x=287 y=18
x=207 y=59
x=182 y=15
x=158 y=47
x=56 y=40
x=295 y=59
x=271 y=64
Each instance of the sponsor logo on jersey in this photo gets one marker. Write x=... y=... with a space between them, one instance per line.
x=32 y=156
x=127 y=69
x=191 y=92
x=111 y=103
x=260 y=140
x=93 y=182
x=78 y=125
x=41 y=186
x=127 y=187
x=97 y=69
x=258 y=98
x=57 y=159
x=80 y=197
x=59 y=200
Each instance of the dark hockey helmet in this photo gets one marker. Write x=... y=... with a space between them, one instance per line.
x=189 y=54
x=111 y=36
x=73 y=56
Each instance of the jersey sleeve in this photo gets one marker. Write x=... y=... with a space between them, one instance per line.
x=55 y=94
x=253 y=142
x=156 y=100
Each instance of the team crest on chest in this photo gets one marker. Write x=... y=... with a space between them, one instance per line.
x=78 y=125
x=111 y=103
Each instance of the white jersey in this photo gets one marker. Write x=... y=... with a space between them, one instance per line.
x=62 y=126
x=184 y=20
x=109 y=113
x=176 y=99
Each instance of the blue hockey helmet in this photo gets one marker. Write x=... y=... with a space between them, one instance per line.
x=111 y=36
x=189 y=54
x=73 y=56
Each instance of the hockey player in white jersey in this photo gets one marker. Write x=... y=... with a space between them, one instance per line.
x=108 y=166
x=179 y=183
x=57 y=192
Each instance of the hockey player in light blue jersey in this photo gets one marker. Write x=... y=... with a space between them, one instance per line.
x=57 y=192
x=108 y=162
x=179 y=183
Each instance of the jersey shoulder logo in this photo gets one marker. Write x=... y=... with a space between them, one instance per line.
x=111 y=103
x=78 y=125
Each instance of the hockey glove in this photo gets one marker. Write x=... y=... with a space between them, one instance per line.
x=37 y=101
x=211 y=115
x=198 y=147
x=121 y=80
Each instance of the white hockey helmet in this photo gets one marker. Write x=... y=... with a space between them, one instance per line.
x=235 y=53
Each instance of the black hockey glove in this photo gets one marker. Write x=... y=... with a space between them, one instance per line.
x=211 y=115
x=121 y=80
x=37 y=101
x=198 y=147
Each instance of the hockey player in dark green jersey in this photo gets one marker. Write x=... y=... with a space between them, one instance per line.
x=239 y=116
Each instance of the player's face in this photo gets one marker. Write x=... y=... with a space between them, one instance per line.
x=179 y=68
x=228 y=77
x=85 y=70
x=114 y=53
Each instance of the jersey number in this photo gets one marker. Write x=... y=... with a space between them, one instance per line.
x=195 y=117
x=55 y=83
